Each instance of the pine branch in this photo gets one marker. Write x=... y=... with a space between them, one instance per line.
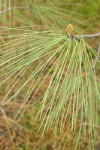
x=88 y=36
x=78 y=37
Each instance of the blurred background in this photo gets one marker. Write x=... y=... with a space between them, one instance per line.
x=21 y=16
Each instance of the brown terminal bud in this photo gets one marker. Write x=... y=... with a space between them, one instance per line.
x=84 y=75
x=69 y=28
